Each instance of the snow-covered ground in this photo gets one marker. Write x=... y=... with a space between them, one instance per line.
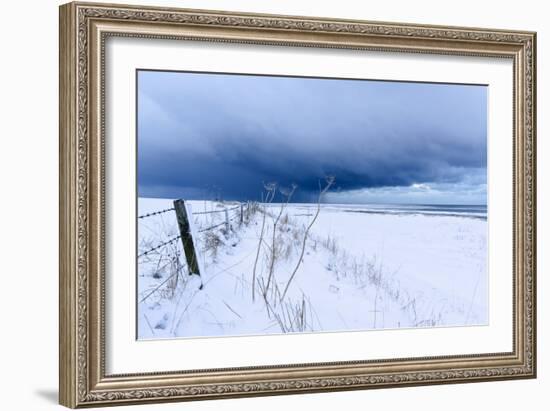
x=362 y=268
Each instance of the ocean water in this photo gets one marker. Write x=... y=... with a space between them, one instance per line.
x=449 y=210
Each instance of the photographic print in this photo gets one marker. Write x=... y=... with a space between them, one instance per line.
x=279 y=204
x=338 y=204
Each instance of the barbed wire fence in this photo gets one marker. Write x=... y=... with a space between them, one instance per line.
x=188 y=236
x=188 y=232
x=159 y=246
x=155 y=213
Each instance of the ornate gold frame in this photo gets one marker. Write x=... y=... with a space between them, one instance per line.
x=83 y=30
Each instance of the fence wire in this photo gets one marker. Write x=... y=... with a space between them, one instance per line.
x=199 y=231
x=216 y=211
x=160 y=246
x=156 y=213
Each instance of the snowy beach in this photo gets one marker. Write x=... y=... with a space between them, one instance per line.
x=363 y=267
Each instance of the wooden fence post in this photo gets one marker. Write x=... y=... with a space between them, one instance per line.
x=186 y=237
x=226 y=220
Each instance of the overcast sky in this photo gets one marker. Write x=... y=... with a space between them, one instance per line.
x=206 y=136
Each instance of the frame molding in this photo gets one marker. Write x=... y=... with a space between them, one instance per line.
x=84 y=27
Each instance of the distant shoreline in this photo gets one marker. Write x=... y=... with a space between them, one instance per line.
x=478 y=212
x=427 y=214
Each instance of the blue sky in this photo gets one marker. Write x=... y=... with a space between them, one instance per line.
x=205 y=136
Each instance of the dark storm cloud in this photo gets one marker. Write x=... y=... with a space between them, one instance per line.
x=205 y=135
